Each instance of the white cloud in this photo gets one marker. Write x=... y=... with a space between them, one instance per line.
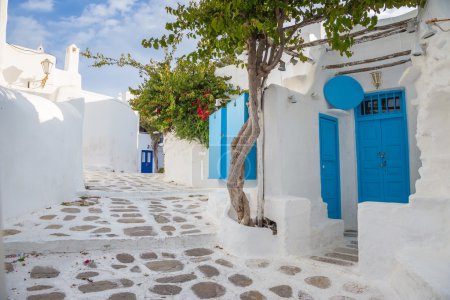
x=38 y=5
x=28 y=32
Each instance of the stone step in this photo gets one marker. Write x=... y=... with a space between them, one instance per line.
x=347 y=257
x=332 y=261
x=350 y=251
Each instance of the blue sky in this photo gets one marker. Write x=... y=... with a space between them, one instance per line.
x=111 y=27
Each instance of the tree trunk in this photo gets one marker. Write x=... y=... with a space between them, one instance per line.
x=244 y=142
x=155 y=144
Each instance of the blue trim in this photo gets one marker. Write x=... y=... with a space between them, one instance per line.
x=337 y=214
x=380 y=116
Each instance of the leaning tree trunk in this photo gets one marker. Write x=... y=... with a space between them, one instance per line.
x=244 y=142
x=155 y=143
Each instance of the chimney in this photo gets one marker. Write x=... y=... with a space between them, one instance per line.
x=72 y=59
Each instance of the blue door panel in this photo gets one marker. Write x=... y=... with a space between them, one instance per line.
x=329 y=165
x=147 y=161
x=217 y=144
x=383 y=172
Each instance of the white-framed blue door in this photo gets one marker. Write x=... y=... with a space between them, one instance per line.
x=147 y=161
x=330 y=165
x=382 y=148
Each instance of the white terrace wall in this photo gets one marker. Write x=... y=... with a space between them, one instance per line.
x=41 y=140
x=110 y=134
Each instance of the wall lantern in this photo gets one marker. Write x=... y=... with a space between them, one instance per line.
x=282 y=66
x=293 y=61
x=218 y=102
x=428 y=31
x=46 y=68
x=376 y=79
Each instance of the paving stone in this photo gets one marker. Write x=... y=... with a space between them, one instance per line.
x=224 y=263
x=124 y=210
x=165 y=265
x=126 y=282
x=240 y=280
x=320 y=282
x=140 y=231
x=355 y=288
x=98 y=286
x=86 y=275
x=132 y=206
x=44 y=272
x=149 y=255
x=257 y=263
x=187 y=226
x=123 y=296
x=341 y=298
x=8 y=232
x=71 y=210
x=135 y=269
x=117 y=267
x=111 y=235
x=289 y=270
x=284 y=291
x=102 y=230
x=47 y=217
x=91 y=218
x=351 y=258
x=50 y=296
x=177 y=279
x=179 y=219
x=54 y=226
x=171 y=198
x=208 y=271
x=69 y=218
x=115 y=215
x=252 y=295
x=125 y=258
x=9 y=267
x=161 y=219
x=332 y=261
x=131 y=220
x=199 y=259
x=38 y=288
x=304 y=296
x=208 y=290
x=168 y=228
x=82 y=228
x=166 y=289
x=94 y=210
x=168 y=255
x=198 y=252
x=59 y=234
x=131 y=216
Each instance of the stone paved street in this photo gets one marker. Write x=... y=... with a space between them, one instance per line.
x=133 y=236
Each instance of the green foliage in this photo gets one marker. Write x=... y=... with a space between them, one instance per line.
x=223 y=27
x=180 y=98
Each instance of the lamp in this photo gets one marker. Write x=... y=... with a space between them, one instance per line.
x=293 y=61
x=218 y=102
x=282 y=66
x=46 y=68
x=376 y=79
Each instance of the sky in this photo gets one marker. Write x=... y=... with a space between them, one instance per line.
x=110 y=27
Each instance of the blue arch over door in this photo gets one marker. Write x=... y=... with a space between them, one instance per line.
x=330 y=165
x=382 y=148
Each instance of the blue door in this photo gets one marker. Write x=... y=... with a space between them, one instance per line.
x=147 y=161
x=329 y=165
x=382 y=148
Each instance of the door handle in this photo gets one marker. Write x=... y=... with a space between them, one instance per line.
x=381 y=154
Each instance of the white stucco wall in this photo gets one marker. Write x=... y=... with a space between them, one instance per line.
x=144 y=143
x=409 y=245
x=39 y=140
x=110 y=134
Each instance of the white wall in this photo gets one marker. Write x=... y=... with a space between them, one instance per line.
x=40 y=151
x=110 y=134
x=144 y=143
